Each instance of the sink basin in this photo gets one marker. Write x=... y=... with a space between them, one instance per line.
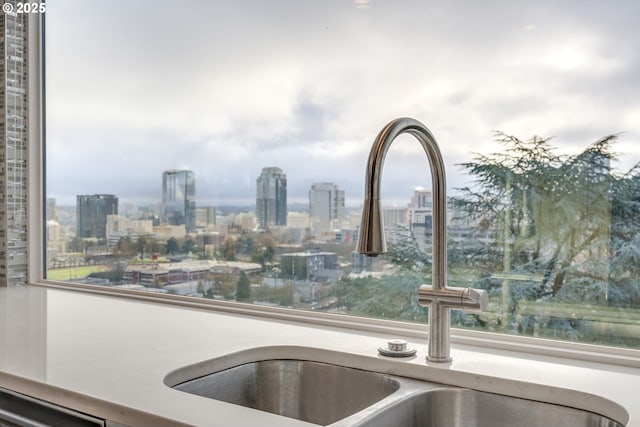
x=450 y=407
x=313 y=386
x=316 y=392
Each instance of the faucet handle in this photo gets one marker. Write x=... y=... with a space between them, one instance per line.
x=440 y=301
x=479 y=297
x=467 y=299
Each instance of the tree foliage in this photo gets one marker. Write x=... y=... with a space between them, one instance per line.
x=568 y=223
x=228 y=250
x=172 y=246
x=243 y=291
x=405 y=252
x=388 y=297
x=188 y=246
x=142 y=246
x=226 y=285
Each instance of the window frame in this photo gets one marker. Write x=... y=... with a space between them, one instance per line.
x=37 y=257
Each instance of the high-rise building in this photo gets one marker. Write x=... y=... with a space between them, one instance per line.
x=92 y=211
x=179 y=198
x=420 y=217
x=52 y=210
x=206 y=216
x=421 y=207
x=394 y=216
x=13 y=148
x=326 y=206
x=271 y=198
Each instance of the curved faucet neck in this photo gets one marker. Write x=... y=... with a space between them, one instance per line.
x=372 y=189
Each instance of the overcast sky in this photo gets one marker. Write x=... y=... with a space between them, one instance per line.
x=225 y=88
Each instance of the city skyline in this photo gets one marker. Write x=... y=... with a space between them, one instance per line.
x=180 y=196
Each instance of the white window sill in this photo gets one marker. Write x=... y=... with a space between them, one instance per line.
x=615 y=356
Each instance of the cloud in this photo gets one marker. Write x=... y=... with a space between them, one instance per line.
x=226 y=88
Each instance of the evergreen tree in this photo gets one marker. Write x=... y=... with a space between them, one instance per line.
x=172 y=246
x=243 y=291
x=561 y=225
x=228 y=250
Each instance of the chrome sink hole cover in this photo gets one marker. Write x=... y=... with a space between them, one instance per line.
x=397 y=348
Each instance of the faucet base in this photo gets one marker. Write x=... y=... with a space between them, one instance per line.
x=438 y=359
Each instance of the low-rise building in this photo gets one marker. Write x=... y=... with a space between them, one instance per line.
x=307 y=265
x=162 y=274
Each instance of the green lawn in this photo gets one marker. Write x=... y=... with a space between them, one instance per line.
x=70 y=273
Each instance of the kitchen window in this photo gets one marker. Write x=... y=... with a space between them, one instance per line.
x=531 y=104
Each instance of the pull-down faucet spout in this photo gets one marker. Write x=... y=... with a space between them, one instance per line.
x=371 y=241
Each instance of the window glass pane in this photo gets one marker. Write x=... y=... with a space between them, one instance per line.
x=217 y=149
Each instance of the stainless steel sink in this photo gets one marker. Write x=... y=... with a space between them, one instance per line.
x=316 y=392
x=451 y=407
x=328 y=394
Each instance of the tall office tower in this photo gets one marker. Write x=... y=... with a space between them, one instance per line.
x=271 y=198
x=326 y=206
x=91 y=214
x=420 y=217
x=210 y=215
x=52 y=210
x=13 y=148
x=179 y=198
x=421 y=207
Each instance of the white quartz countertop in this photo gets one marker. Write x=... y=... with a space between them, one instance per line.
x=109 y=356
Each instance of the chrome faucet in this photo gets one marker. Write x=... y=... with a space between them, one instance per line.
x=371 y=241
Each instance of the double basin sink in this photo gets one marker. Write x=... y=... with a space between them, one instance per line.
x=328 y=394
